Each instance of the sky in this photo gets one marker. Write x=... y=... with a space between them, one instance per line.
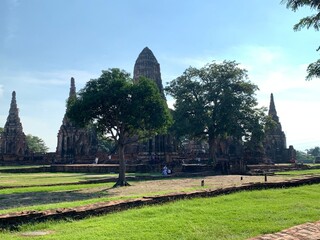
x=45 y=43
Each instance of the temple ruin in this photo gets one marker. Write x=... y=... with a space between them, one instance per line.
x=80 y=145
x=13 y=145
x=275 y=143
x=75 y=145
x=147 y=66
x=159 y=148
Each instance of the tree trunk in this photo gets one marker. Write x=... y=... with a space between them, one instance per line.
x=212 y=150
x=122 y=168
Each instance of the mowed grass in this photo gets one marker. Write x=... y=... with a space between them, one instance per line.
x=236 y=216
x=29 y=179
x=36 y=196
x=45 y=198
x=65 y=192
x=300 y=172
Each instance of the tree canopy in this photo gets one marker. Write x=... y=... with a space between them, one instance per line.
x=315 y=152
x=36 y=144
x=313 y=70
x=121 y=109
x=215 y=102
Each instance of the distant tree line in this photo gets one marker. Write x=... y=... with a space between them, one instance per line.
x=309 y=154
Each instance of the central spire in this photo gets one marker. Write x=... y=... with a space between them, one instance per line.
x=272 y=109
x=72 y=88
x=147 y=65
x=13 y=117
x=13 y=106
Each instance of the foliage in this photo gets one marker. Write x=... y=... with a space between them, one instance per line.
x=120 y=110
x=36 y=144
x=313 y=69
x=225 y=217
x=303 y=156
x=309 y=155
x=106 y=144
x=216 y=102
x=315 y=152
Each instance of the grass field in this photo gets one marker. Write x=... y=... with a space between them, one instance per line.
x=300 y=172
x=36 y=196
x=29 y=179
x=236 y=216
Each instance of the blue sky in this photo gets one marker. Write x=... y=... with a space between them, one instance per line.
x=45 y=43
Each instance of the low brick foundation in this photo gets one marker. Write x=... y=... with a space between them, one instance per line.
x=86 y=168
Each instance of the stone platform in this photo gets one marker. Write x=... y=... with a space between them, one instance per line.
x=103 y=168
x=85 y=168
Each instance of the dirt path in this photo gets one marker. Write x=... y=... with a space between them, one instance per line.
x=137 y=188
x=188 y=184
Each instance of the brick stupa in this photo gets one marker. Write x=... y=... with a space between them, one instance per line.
x=13 y=140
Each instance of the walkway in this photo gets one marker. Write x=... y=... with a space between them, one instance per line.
x=307 y=231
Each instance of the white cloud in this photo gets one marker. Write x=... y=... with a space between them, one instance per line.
x=50 y=78
x=262 y=55
x=185 y=62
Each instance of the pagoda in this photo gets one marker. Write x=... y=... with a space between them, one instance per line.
x=275 y=143
x=13 y=144
x=147 y=66
x=75 y=145
x=159 y=147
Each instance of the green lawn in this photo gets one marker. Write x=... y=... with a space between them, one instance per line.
x=22 y=166
x=36 y=196
x=28 y=179
x=236 y=216
x=300 y=172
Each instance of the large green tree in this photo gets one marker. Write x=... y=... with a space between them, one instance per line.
x=315 y=152
x=36 y=144
x=216 y=102
x=313 y=70
x=121 y=109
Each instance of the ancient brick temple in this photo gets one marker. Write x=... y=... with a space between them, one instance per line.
x=275 y=141
x=75 y=145
x=147 y=65
x=13 y=145
x=158 y=147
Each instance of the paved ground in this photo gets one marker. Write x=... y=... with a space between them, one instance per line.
x=307 y=231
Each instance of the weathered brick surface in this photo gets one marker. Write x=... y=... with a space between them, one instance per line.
x=307 y=231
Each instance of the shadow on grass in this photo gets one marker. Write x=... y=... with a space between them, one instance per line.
x=15 y=200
